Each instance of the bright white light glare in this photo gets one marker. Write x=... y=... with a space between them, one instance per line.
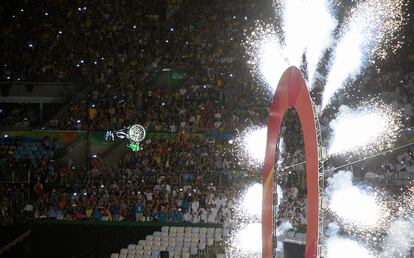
x=371 y=31
x=254 y=143
x=399 y=240
x=308 y=27
x=279 y=195
x=271 y=63
x=363 y=129
x=282 y=147
x=250 y=204
x=294 y=20
x=265 y=56
x=338 y=247
x=321 y=25
x=284 y=226
x=246 y=241
x=252 y=200
x=249 y=240
x=344 y=64
x=347 y=201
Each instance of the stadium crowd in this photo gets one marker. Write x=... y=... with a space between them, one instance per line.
x=182 y=163
x=191 y=157
x=132 y=49
x=128 y=199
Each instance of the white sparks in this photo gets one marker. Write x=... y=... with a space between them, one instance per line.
x=347 y=201
x=248 y=241
x=266 y=58
x=399 y=240
x=294 y=20
x=252 y=201
x=338 y=247
x=368 y=32
x=308 y=27
x=362 y=129
x=253 y=142
x=284 y=226
x=320 y=35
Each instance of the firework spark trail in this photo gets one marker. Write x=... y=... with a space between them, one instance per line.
x=373 y=126
x=370 y=32
x=252 y=201
x=346 y=201
x=247 y=223
x=265 y=55
x=249 y=206
x=242 y=244
x=253 y=144
x=294 y=20
x=321 y=27
x=283 y=228
x=341 y=247
x=245 y=246
x=400 y=234
x=385 y=222
x=399 y=240
x=308 y=28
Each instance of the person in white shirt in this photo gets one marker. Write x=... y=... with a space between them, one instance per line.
x=28 y=208
x=230 y=204
x=187 y=216
x=216 y=201
x=212 y=217
x=195 y=205
x=203 y=215
x=226 y=214
x=196 y=218
x=293 y=192
x=168 y=188
x=210 y=199
x=214 y=210
x=219 y=201
x=148 y=196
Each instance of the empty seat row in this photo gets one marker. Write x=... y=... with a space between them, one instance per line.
x=178 y=241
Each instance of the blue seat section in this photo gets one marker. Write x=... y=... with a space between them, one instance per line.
x=31 y=148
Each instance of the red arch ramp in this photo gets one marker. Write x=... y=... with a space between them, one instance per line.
x=291 y=92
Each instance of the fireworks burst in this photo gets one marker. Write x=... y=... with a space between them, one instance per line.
x=370 y=32
x=339 y=247
x=265 y=56
x=386 y=221
x=247 y=241
x=252 y=143
x=247 y=224
x=251 y=203
x=347 y=200
x=308 y=28
x=371 y=127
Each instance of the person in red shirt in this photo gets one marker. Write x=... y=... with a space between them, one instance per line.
x=38 y=188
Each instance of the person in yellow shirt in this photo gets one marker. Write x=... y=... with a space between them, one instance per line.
x=89 y=212
x=92 y=112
